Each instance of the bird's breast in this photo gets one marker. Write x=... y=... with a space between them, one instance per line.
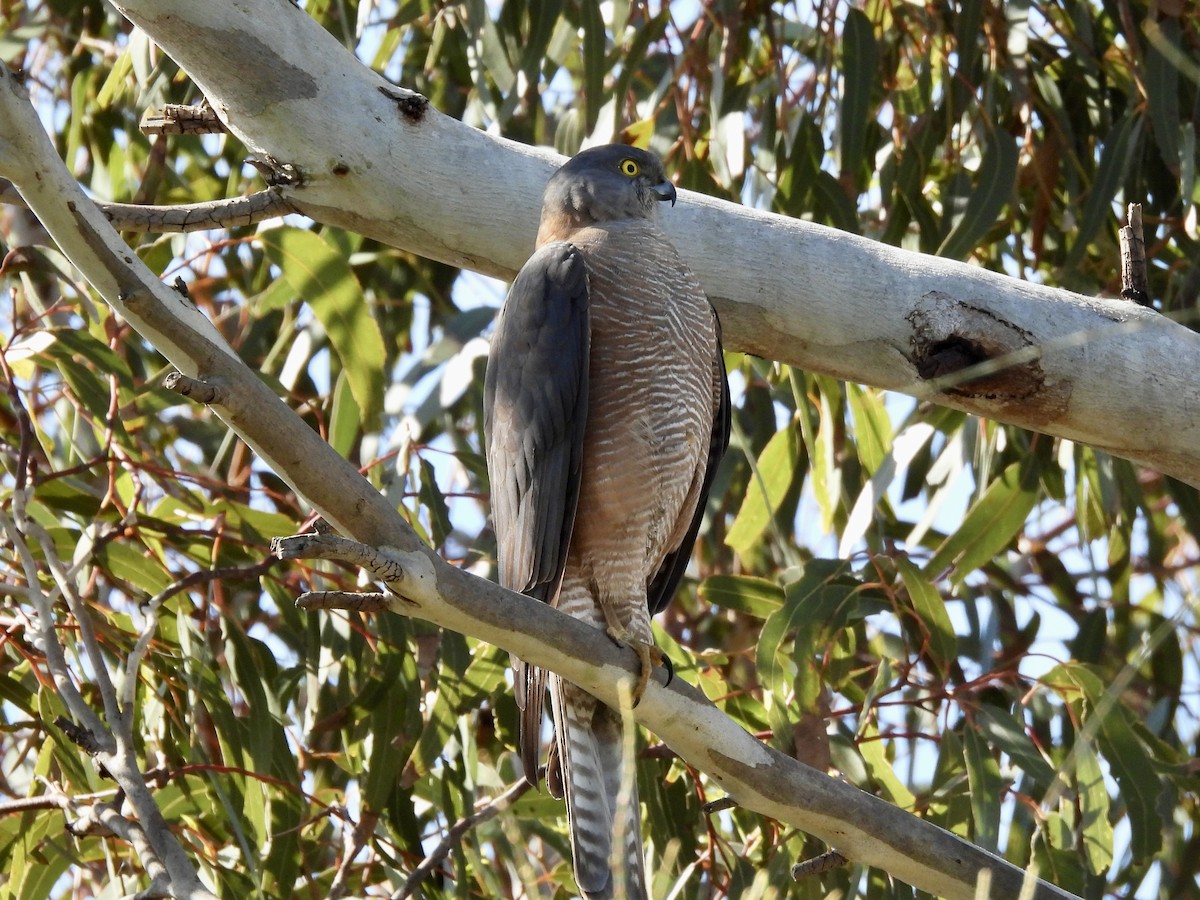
x=650 y=390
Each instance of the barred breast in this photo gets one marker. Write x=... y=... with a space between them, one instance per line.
x=651 y=408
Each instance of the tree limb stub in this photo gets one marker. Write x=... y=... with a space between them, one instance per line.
x=787 y=290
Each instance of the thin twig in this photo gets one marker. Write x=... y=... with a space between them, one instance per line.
x=454 y=835
x=43 y=622
x=87 y=631
x=355 y=838
x=154 y=604
x=54 y=800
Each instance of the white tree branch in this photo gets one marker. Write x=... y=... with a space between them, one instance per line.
x=158 y=849
x=864 y=828
x=376 y=160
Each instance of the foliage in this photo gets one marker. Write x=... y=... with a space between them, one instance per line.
x=991 y=628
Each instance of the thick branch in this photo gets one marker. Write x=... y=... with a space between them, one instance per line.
x=862 y=827
x=384 y=164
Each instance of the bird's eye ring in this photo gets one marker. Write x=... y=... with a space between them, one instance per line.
x=630 y=167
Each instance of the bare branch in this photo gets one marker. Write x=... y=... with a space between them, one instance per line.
x=238 y=212
x=54 y=798
x=379 y=562
x=492 y=808
x=47 y=640
x=112 y=750
x=354 y=602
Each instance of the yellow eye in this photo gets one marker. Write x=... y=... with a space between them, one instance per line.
x=629 y=167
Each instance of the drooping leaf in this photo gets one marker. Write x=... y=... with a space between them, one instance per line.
x=986 y=789
x=774 y=471
x=990 y=524
x=992 y=190
x=322 y=277
x=755 y=596
x=859 y=77
x=931 y=610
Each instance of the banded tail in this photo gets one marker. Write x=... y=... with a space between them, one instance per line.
x=587 y=764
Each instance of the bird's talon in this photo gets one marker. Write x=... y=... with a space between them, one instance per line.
x=648 y=655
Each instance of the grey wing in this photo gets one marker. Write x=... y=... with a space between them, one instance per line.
x=666 y=580
x=535 y=411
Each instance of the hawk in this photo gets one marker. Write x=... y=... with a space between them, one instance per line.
x=606 y=411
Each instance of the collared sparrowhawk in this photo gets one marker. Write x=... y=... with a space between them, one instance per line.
x=606 y=413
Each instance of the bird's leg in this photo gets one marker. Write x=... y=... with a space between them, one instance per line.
x=648 y=654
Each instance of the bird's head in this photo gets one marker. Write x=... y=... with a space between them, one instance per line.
x=607 y=184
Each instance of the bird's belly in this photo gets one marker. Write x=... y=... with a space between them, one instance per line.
x=647 y=434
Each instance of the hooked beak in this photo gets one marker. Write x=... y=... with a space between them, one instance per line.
x=664 y=190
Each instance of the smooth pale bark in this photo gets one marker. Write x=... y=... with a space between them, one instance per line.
x=864 y=828
x=1102 y=372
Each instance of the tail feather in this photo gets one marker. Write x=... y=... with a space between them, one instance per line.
x=530 y=683
x=589 y=738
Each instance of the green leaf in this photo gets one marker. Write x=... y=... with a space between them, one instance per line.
x=323 y=278
x=345 y=418
x=37 y=862
x=1006 y=733
x=1115 y=160
x=757 y=597
x=991 y=523
x=393 y=722
x=769 y=486
x=595 y=42
x=927 y=601
x=114 y=86
x=993 y=188
x=819 y=438
x=434 y=502
x=251 y=669
x=831 y=205
x=874 y=753
x=128 y=563
x=872 y=425
x=986 y=789
x=1094 y=807
x=1162 y=89
x=904 y=449
x=815 y=604
x=1130 y=761
x=860 y=61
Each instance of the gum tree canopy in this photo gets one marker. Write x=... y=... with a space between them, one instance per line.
x=943 y=611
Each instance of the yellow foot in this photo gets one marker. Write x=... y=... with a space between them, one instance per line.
x=648 y=654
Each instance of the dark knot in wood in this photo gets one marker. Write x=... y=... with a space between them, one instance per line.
x=960 y=348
